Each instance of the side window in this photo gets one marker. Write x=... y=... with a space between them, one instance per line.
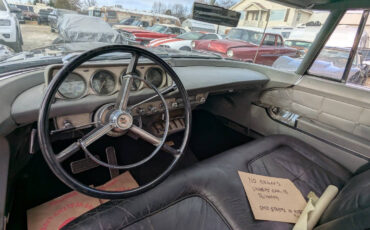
x=332 y=60
x=269 y=40
x=359 y=75
x=145 y=24
x=168 y=31
x=279 y=41
x=209 y=37
x=175 y=30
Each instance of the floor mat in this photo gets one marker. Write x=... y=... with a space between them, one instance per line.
x=56 y=213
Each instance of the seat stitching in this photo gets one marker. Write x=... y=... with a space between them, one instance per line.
x=263 y=154
x=177 y=201
x=258 y=156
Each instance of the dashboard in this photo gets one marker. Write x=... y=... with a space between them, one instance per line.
x=105 y=80
x=97 y=84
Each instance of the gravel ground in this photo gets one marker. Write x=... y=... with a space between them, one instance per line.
x=36 y=36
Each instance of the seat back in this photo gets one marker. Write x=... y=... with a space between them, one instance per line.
x=351 y=207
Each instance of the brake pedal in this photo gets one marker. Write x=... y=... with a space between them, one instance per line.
x=112 y=160
x=83 y=165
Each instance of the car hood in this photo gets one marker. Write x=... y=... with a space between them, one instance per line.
x=136 y=30
x=160 y=41
x=127 y=27
x=140 y=32
x=222 y=46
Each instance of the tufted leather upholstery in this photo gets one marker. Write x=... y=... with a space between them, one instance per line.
x=210 y=194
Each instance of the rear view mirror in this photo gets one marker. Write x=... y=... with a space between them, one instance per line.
x=215 y=15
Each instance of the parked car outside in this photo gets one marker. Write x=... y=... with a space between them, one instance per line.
x=249 y=45
x=75 y=28
x=44 y=16
x=194 y=25
x=30 y=15
x=10 y=33
x=131 y=23
x=183 y=41
x=18 y=12
x=55 y=15
x=157 y=31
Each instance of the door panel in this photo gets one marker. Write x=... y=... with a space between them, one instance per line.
x=327 y=110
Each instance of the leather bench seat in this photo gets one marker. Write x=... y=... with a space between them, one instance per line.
x=210 y=194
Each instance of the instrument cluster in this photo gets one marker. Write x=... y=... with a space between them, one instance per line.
x=106 y=80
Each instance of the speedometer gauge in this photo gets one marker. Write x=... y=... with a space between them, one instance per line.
x=103 y=82
x=154 y=76
x=74 y=86
x=137 y=84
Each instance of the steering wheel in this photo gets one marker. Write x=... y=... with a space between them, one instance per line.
x=119 y=119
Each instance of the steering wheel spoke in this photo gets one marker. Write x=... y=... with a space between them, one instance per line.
x=153 y=140
x=87 y=140
x=170 y=89
x=126 y=80
x=67 y=152
x=145 y=135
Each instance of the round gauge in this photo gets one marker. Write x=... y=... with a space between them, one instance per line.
x=74 y=86
x=136 y=84
x=154 y=76
x=103 y=82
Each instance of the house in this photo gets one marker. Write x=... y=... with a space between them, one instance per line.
x=256 y=14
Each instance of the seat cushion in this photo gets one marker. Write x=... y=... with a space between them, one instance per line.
x=216 y=183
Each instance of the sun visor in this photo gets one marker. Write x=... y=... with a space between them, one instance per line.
x=215 y=15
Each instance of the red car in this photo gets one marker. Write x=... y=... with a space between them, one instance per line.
x=144 y=36
x=243 y=44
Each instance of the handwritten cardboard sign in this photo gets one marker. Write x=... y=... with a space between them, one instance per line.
x=272 y=198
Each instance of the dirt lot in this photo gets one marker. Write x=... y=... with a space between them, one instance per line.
x=36 y=36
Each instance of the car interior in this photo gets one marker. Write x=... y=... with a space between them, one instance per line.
x=183 y=128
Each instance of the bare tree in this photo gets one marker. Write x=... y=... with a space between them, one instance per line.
x=179 y=10
x=158 y=8
x=68 y=4
x=89 y=3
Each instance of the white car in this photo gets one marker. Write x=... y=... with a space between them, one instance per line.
x=10 y=33
x=183 y=41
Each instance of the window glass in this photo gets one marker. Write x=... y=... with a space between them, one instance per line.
x=279 y=41
x=175 y=30
x=209 y=36
x=332 y=59
x=360 y=72
x=191 y=36
x=269 y=40
x=2 y=6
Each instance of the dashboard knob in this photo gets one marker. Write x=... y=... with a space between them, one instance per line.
x=152 y=109
x=174 y=105
x=140 y=111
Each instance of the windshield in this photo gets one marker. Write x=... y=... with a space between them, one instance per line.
x=130 y=22
x=264 y=32
x=191 y=36
x=158 y=28
x=245 y=35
